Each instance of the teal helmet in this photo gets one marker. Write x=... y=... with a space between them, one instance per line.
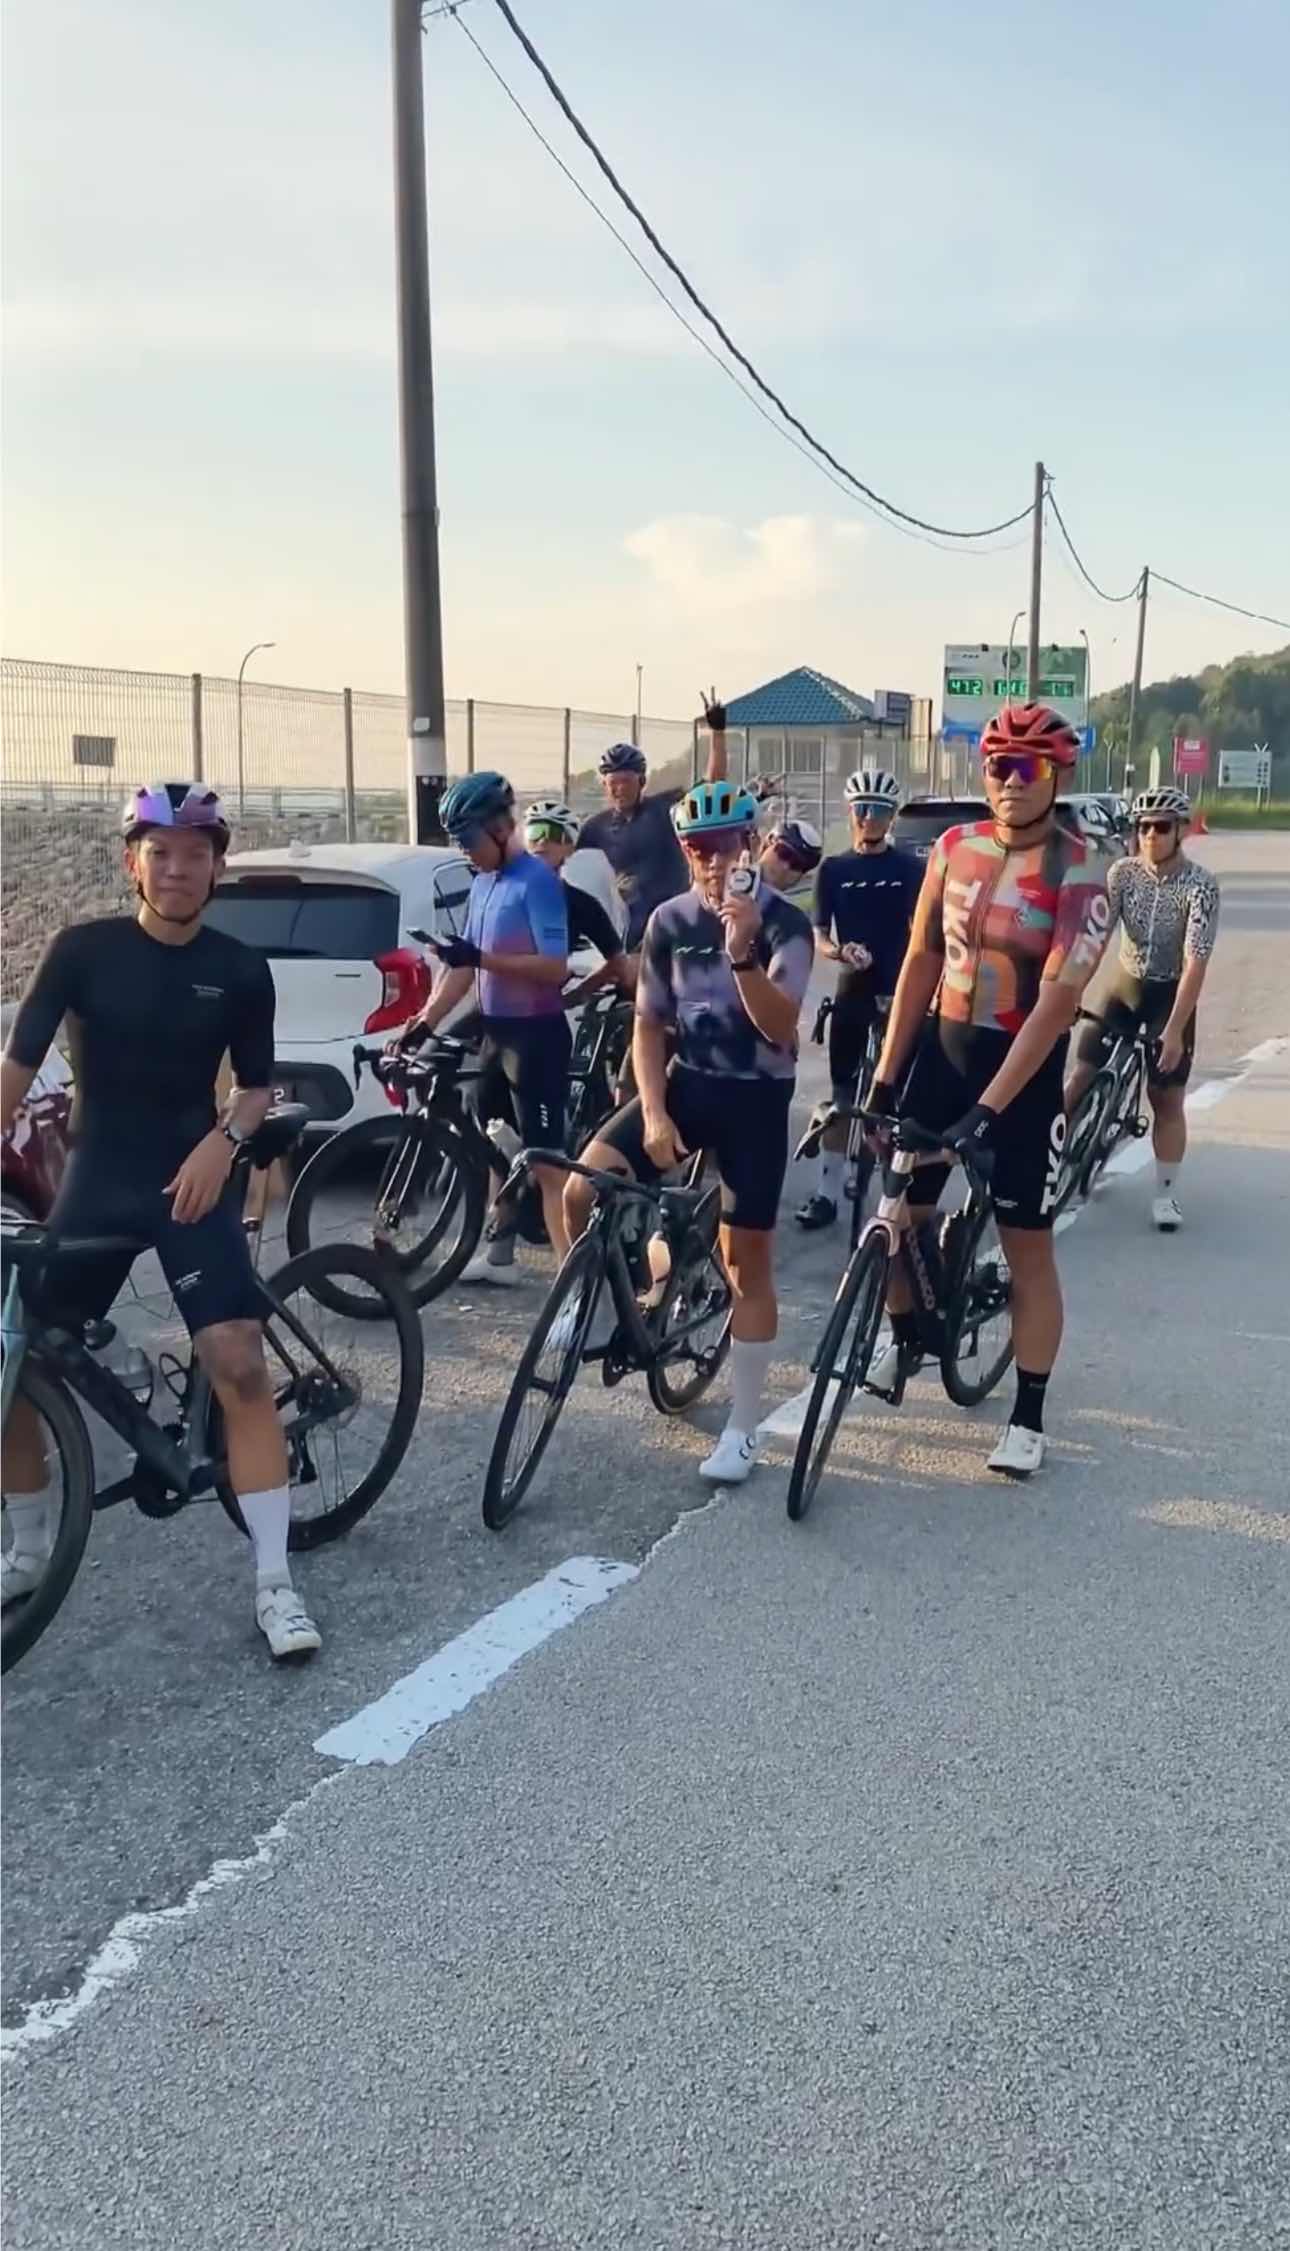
x=714 y=805
x=473 y=802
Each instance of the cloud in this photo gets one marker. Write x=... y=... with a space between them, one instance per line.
x=712 y=566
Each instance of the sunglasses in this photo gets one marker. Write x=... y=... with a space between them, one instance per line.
x=545 y=832
x=715 y=840
x=786 y=853
x=1027 y=765
x=1156 y=828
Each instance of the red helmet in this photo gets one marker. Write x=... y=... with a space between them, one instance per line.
x=1031 y=726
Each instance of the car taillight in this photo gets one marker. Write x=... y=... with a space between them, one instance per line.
x=405 y=985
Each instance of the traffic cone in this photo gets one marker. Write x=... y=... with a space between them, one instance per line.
x=1199 y=824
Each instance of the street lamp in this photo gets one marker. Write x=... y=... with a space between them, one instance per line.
x=1088 y=683
x=241 y=778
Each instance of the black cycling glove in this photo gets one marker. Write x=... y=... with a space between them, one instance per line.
x=881 y=1099
x=457 y=953
x=714 y=713
x=972 y=1133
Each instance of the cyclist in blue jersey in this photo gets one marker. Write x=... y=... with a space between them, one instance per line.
x=724 y=970
x=515 y=951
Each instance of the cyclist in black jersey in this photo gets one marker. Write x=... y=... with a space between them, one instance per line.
x=152 y=1004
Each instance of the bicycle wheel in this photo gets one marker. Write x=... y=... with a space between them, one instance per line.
x=543 y=1380
x=696 y=1311
x=1082 y=1130
x=347 y=1403
x=71 y=1487
x=425 y=1213
x=858 y=1176
x=1120 y=1120
x=841 y=1365
x=977 y=1350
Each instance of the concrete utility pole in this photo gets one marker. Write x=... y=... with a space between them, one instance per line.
x=1036 y=575
x=1136 y=689
x=422 y=613
x=241 y=763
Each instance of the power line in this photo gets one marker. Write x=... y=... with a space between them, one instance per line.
x=1078 y=560
x=451 y=9
x=1260 y=617
x=888 y=507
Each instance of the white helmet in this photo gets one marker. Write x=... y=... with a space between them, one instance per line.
x=1166 y=804
x=872 y=785
x=549 y=813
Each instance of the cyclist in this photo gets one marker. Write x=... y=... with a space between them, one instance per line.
x=1167 y=909
x=152 y=1003
x=515 y=951
x=636 y=835
x=726 y=971
x=792 y=851
x=1009 y=926
x=864 y=905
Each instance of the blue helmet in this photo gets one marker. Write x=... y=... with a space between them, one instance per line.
x=474 y=801
x=623 y=758
x=714 y=805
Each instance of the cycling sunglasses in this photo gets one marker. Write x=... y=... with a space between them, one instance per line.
x=786 y=852
x=714 y=840
x=869 y=807
x=547 y=832
x=1156 y=828
x=1027 y=765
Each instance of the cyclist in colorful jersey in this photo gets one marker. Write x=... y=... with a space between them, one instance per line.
x=1167 y=909
x=153 y=1002
x=1010 y=925
x=864 y=905
x=724 y=968
x=515 y=952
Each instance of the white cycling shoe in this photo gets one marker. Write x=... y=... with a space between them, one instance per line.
x=20 y=1575
x=1019 y=1453
x=284 y=1621
x=482 y=1270
x=732 y=1458
x=1166 y=1215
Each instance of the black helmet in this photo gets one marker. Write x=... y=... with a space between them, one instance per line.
x=623 y=758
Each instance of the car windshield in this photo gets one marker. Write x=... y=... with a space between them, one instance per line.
x=287 y=919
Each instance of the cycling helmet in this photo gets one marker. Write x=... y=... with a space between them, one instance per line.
x=623 y=758
x=556 y=819
x=1165 y=804
x=473 y=802
x=872 y=785
x=175 y=805
x=801 y=841
x=714 y=805
x=1031 y=726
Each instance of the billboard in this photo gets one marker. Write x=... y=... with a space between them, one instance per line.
x=893 y=707
x=1191 y=754
x=980 y=675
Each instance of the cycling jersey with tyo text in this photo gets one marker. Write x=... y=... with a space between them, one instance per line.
x=1007 y=922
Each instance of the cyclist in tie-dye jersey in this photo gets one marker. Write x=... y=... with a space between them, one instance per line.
x=1009 y=927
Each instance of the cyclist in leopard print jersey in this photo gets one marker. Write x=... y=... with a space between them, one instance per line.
x=1167 y=909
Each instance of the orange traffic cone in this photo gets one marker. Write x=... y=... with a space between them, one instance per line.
x=1199 y=824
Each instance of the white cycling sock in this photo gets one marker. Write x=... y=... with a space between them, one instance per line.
x=830 y=1166
x=749 y=1365
x=1167 y=1176
x=268 y=1520
x=33 y=1524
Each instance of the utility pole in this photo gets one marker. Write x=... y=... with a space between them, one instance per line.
x=1036 y=575
x=1136 y=689
x=422 y=615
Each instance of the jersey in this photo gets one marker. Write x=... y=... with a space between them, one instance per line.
x=868 y=899
x=688 y=984
x=645 y=854
x=518 y=910
x=148 y=1028
x=589 y=925
x=1008 y=922
x=1165 y=920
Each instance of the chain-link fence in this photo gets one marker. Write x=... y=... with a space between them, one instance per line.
x=326 y=766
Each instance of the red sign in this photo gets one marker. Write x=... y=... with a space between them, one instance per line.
x=1191 y=754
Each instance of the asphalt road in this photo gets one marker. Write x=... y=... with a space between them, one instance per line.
x=918 y=1877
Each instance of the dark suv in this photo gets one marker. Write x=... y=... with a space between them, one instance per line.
x=922 y=819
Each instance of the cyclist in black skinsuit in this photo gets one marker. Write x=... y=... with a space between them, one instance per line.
x=153 y=1002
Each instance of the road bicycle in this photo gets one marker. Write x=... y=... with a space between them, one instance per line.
x=859 y=1161
x=348 y=1408
x=961 y=1292
x=439 y=1168
x=1108 y=1113
x=673 y=1329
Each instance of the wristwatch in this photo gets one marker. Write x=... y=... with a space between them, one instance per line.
x=235 y=1133
x=749 y=961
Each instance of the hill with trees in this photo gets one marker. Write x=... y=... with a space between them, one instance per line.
x=1233 y=705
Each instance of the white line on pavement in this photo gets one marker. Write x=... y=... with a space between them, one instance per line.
x=384 y=1732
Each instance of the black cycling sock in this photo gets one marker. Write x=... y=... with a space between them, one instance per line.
x=1029 y=1409
x=904 y=1328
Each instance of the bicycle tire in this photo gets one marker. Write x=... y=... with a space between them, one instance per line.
x=698 y=1256
x=1125 y=1096
x=23 y=1622
x=583 y=1272
x=436 y=1146
x=966 y=1394
x=1083 y=1128
x=314 y=1272
x=857 y=1309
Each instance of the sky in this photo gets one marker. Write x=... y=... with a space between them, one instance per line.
x=954 y=240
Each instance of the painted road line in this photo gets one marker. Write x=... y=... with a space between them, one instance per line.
x=385 y=1731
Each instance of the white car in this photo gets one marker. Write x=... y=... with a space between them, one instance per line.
x=336 y=922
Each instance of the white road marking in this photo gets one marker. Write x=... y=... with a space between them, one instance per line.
x=384 y=1732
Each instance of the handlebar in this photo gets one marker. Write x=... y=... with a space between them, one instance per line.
x=408 y=1065
x=605 y=1183
x=906 y=1134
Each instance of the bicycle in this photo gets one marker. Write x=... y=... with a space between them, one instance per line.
x=1108 y=1113
x=677 y=1336
x=439 y=1167
x=346 y=1433
x=961 y=1291
x=858 y=1161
